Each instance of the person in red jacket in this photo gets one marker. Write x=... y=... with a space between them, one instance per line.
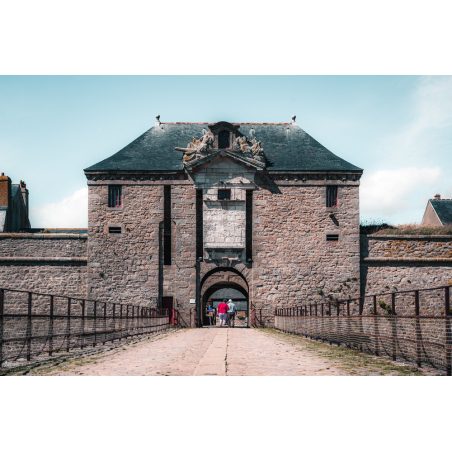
x=223 y=312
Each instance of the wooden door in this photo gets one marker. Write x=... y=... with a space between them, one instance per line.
x=167 y=303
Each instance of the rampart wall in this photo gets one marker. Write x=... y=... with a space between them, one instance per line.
x=404 y=262
x=46 y=263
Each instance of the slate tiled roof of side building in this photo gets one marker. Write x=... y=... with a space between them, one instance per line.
x=287 y=148
x=443 y=208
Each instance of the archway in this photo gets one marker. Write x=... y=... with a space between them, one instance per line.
x=226 y=282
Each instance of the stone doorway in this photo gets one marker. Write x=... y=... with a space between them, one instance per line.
x=216 y=295
x=225 y=283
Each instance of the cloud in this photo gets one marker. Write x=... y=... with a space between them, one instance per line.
x=70 y=212
x=428 y=131
x=390 y=193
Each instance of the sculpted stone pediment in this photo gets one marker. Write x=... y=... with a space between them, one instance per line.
x=240 y=159
x=242 y=147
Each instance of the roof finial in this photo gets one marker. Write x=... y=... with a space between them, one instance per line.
x=157 y=120
x=293 y=119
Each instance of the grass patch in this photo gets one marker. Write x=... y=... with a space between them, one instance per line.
x=407 y=229
x=349 y=360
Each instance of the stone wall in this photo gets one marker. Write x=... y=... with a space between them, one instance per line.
x=399 y=263
x=128 y=267
x=404 y=262
x=293 y=261
x=46 y=263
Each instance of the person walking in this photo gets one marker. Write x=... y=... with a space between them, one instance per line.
x=223 y=312
x=232 y=309
x=211 y=313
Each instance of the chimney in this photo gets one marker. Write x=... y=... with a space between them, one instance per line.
x=437 y=197
x=24 y=191
x=5 y=190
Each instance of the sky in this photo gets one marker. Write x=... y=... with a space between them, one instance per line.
x=397 y=128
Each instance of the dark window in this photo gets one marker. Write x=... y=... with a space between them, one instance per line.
x=114 y=196
x=199 y=225
x=332 y=237
x=223 y=139
x=167 y=225
x=224 y=194
x=114 y=230
x=249 y=226
x=331 y=196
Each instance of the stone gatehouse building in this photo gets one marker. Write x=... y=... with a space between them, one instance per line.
x=188 y=209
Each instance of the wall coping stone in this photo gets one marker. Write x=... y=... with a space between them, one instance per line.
x=27 y=235
x=406 y=259
x=43 y=259
x=407 y=237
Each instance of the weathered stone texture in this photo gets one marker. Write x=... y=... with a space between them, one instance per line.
x=415 y=269
x=124 y=267
x=128 y=267
x=43 y=245
x=42 y=270
x=293 y=262
x=406 y=247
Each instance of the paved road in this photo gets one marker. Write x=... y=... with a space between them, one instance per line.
x=211 y=351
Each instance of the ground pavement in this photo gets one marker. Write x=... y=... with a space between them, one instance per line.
x=210 y=351
x=216 y=351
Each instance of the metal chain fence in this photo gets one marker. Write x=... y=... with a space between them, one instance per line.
x=414 y=325
x=34 y=323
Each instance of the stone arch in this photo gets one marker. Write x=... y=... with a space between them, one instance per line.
x=221 y=278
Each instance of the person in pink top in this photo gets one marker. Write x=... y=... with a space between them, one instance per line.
x=223 y=312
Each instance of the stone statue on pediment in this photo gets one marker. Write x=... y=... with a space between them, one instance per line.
x=198 y=148
x=249 y=148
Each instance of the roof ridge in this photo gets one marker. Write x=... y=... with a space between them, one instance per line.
x=235 y=123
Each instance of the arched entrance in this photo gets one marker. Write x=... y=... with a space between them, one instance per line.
x=221 y=279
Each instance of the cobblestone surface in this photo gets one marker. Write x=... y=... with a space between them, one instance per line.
x=230 y=352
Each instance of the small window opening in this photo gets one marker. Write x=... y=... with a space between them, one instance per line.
x=114 y=230
x=331 y=196
x=115 y=196
x=224 y=194
x=223 y=140
x=332 y=237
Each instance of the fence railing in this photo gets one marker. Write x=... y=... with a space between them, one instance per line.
x=412 y=325
x=34 y=323
x=262 y=318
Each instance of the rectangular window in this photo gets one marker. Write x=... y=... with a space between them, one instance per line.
x=167 y=225
x=199 y=224
x=224 y=194
x=114 y=196
x=331 y=196
x=332 y=237
x=114 y=230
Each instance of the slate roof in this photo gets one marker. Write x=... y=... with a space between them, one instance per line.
x=14 y=190
x=443 y=209
x=287 y=147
